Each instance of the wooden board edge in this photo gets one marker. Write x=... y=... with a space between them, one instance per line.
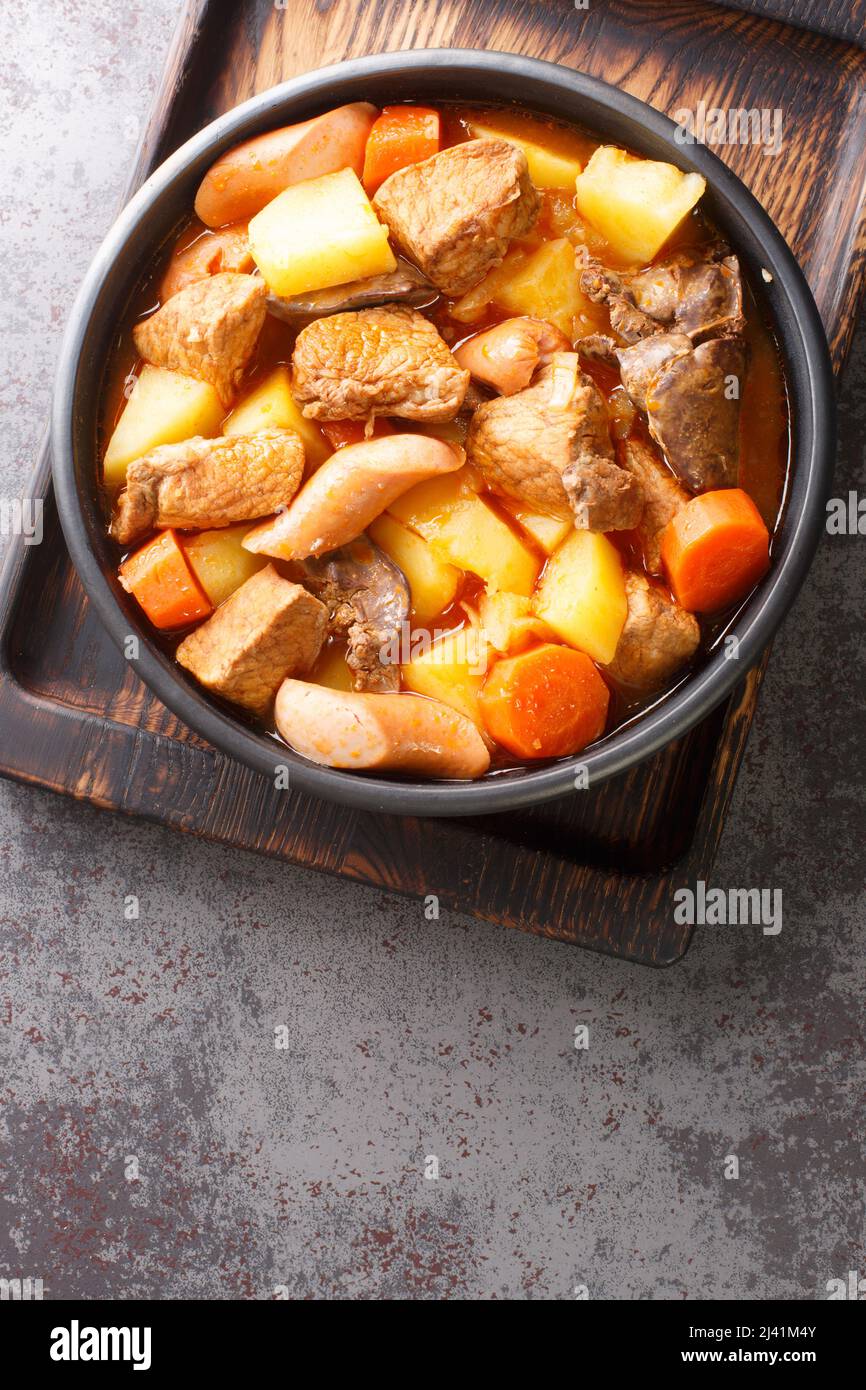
x=87 y=739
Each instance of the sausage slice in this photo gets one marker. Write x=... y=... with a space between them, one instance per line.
x=350 y=490
x=379 y=733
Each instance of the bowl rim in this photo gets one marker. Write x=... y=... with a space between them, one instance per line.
x=801 y=338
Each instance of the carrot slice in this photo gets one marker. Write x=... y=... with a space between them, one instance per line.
x=402 y=135
x=159 y=577
x=715 y=549
x=545 y=703
x=339 y=433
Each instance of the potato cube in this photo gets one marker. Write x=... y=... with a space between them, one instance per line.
x=423 y=504
x=548 y=532
x=582 y=595
x=544 y=284
x=163 y=408
x=331 y=670
x=474 y=538
x=319 y=233
x=451 y=670
x=475 y=303
x=464 y=531
x=432 y=581
x=547 y=169
x=636 y=204
x=271 y=406
x=219 y=561
x=508 y=622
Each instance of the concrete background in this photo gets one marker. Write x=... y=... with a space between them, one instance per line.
x=148 y=1047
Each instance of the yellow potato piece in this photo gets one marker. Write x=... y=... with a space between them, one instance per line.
x=636 y=204
x=331 y=670
x=163 y=408
x=424 y=503
x=451 y=670
x=271 y=406
x=475 y=302
x=219 y=561
x=319 y=233
x=545 y=284
x=464 y=531
x=508 y=622
x=548 y=532
x=582 y=595
x=547 y=169
x=432 y=582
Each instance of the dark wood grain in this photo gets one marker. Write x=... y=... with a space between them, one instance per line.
x=598 y=869
x=840 y=19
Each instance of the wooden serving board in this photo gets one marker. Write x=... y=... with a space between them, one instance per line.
x=598 y=869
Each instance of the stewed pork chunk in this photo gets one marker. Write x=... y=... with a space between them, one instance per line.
x=209 y=330
x=549 y=447
x=266 y=630
x=690 y=293
x=703 y=298
x=695 y=293
x=691 y=397
x=386 y=361
x=455 y=213
x=663 y=497
x=367 y=599
x=693 y=410
x=209 y=482
x=641 y=363
x=659 y=636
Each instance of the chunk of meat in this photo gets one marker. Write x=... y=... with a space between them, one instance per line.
x=507 y=357
x=379 y=733
x=388 y=361
x=703 y=298
x=693 y=410
x=604 y=286
x=598 y=347
x=659 y=637
x=208 y=331
x=210 y=254
x=630 y=322
x=654 y=291
x=455 y=213
x=603 y=496
x=692 y=292
x=642 y=362
x=549 y=447
x=663 y=497
x=710 y=300
x=367 y=598
x=597 y=282
x=348 y=491
x=266 y=630
x=209 y=482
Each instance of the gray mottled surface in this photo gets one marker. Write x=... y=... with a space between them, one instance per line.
x=148 y=1045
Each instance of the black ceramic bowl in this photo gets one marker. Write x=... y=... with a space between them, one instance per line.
x=482 y=78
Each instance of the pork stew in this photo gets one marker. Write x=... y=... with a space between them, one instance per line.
x=443 y=440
